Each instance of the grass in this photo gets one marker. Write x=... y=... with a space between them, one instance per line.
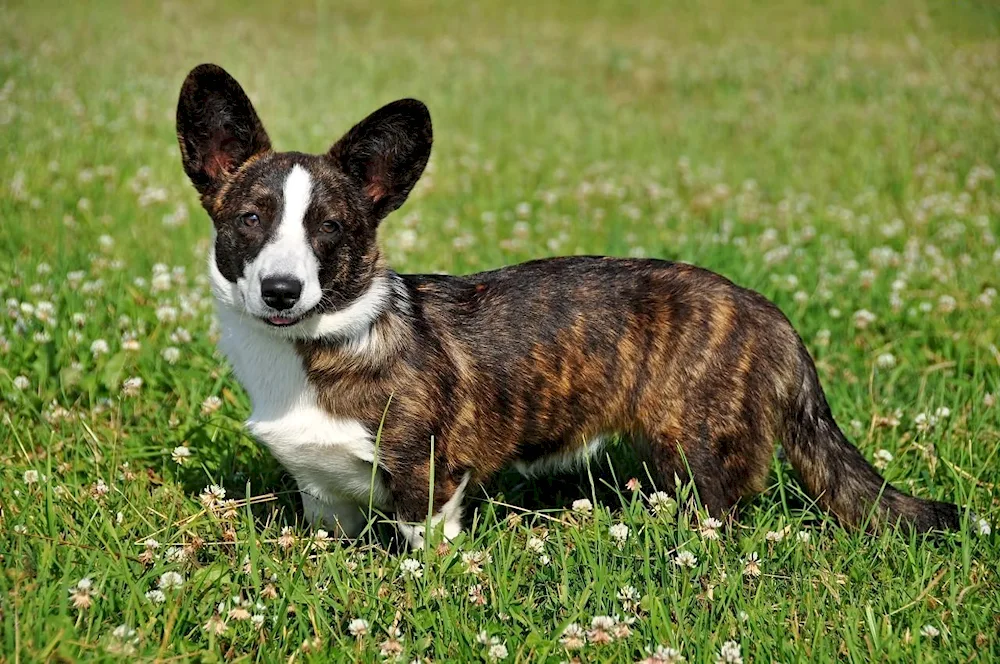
x=840 y=160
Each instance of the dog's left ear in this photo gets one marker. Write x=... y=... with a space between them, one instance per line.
x=386 y=152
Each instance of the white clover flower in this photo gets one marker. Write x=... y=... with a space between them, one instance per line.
x=710 y=528
x=160 y=283
x=930 y=631
x=210 y=405
x=45 y=312
x=123 y=632
x=475 y=594
x=166 y=314
x=661 y=502
x=774 y=535
x=752 y=565
x=535 y=545
x=885 y=361
x=573 y=637
x=81 y=594
x=180 y=454
x=475 y=560
x=685 y=559
x=321 y=539
x=583 y=506
x=215 y=625
x=925 y=422
x=156 y=596
x=882 y=459
x=663 y=655
x=982 y=526
x=619 y=533
x=803 y=536
x=132 y=386
x=629 y=597
x=863 y=318
x=171 y=354
x=176 y=554
x=181 y=336
x=602 y=629
x=31 y=476
x=358 y=627
x=411 y=568
x=99 y=347
x=729 y=653
x=212 y=495
x=497 y=652
x=170 y=581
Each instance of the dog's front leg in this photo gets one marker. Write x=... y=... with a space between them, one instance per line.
x=411 y=501
x=342 y=516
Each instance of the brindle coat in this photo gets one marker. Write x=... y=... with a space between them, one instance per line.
x=533 y=360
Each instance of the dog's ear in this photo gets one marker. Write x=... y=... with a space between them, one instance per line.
x=217 y=128
x=386 y=152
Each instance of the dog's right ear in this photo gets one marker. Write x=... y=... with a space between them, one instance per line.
x=217 y=128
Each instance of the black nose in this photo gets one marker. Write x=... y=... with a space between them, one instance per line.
x=281 y=292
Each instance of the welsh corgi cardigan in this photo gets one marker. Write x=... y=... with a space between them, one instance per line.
x=529 y=365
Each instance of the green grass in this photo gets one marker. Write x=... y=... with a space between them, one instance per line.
x=836 y=159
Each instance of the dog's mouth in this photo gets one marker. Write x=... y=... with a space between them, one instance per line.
x=286 y=321
x=281 y=321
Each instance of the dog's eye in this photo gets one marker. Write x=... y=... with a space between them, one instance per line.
x=250 y=220
x=331 y=226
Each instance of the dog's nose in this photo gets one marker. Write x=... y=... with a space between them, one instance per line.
x=281 y=292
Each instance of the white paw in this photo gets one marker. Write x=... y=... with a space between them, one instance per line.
x=414 y=535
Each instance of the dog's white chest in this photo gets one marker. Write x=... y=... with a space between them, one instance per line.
x=329 y=457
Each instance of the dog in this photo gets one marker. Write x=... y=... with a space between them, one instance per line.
x=400 y=392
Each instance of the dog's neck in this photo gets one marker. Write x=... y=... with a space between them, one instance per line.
x=370 y=334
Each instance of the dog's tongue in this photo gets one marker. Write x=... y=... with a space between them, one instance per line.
x=280 y=320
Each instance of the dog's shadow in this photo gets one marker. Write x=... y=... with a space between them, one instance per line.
x=601 y=480
x=507 y=495
x=275 y=499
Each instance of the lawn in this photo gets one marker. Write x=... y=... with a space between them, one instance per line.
x=840 y=160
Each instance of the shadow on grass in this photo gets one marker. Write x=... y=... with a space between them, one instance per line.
x=602 y=480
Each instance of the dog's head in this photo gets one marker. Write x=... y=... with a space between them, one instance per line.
x=295 y=234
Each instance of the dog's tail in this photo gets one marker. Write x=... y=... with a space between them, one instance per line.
x=839 y=477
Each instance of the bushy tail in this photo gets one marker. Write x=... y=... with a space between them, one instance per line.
x=840 y=478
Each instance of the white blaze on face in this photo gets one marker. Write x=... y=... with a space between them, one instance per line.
x=287 y=253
